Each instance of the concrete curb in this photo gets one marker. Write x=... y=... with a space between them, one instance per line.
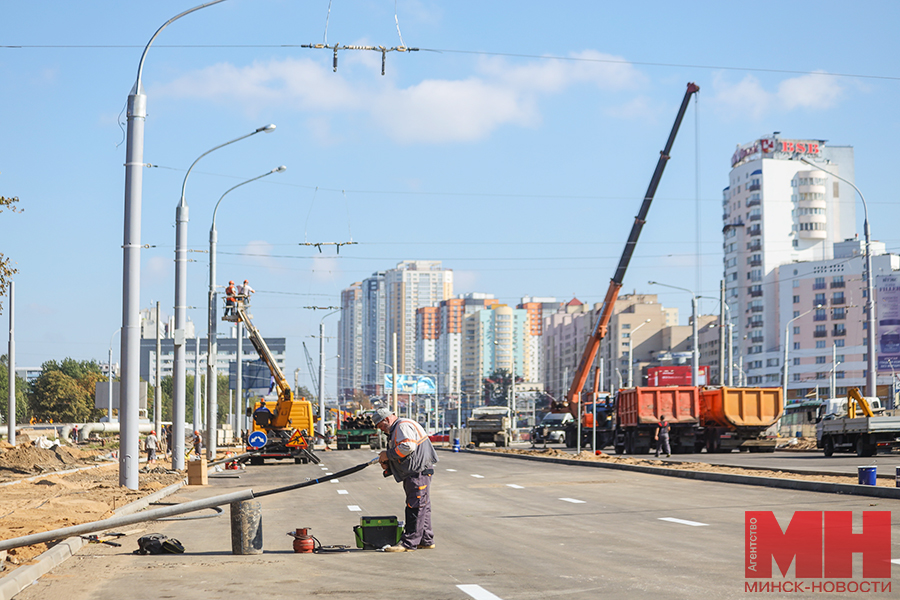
x=773 y=482
x=24 y=576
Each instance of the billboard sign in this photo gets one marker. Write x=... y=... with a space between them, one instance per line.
x=410 y=384
x=887 y=312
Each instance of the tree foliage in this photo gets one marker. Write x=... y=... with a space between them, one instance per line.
x=64 y=392
x=22 y=415
x=221 y=398
x=6 y=270
x=496 y=387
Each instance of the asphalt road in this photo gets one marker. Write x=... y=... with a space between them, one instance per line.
x=505 y=528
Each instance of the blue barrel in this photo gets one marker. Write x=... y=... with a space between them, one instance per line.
x=867 y=475
x=898 y=477
x=456 y=446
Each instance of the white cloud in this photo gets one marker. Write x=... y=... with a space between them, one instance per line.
x=636 y=108
x=814 y=91
x=434 y=110
x=259 y=252
x=326 y=268
x=157 y=269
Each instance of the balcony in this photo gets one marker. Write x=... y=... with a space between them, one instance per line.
x=838 y=301
x=839 y=332
x=755 y=217
x=820 y=334
x=755 y=293
x=756 y=324
x=819 y=303
x=820 y=317
x=754 y=230
x=756 y=309
x=819 y=286
x=753 y=202
x=755 y=246
x=754 y=187
x=837 y=284
x=755 y=262
x=757 y=339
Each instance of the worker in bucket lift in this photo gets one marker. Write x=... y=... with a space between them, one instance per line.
x=245 y=292
x=662 y=436
x=230 y=292
x=410 y=458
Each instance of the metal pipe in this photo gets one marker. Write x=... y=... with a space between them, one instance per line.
x=11 y=370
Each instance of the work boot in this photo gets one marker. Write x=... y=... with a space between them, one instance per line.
x=425 y=546
x=399 y=548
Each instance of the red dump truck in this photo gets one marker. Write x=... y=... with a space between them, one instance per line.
x=738 y=418
x=638 y=411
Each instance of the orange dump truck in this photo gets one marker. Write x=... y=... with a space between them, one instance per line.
x=737 y=418
x=638 y=411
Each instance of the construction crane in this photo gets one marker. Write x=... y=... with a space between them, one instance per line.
x=286 y=423
x=573 y=397
x=312 y=369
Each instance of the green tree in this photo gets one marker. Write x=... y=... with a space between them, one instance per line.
x=6 y=271
x=58 y=397
x=22 y=415
x=221 y=398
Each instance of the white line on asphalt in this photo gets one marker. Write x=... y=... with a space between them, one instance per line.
x=478 y=476
x=452 y=470
x=334 y=481
x=342 y=492
x=329 y=473
x=512 y=485
x=896 y=561
x=683 y=522
x=478 y=592
x=572 y=500
x=324 y=468
x=354 y=508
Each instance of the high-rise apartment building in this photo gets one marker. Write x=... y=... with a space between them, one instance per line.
x=779 y=210
x=375 y=344
x=410 y=286
x=350 y=342
x=493 y=340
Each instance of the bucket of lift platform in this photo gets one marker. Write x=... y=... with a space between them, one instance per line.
x=867 y=475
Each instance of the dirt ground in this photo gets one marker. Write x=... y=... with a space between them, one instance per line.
x=35 y=498
x=685 y=466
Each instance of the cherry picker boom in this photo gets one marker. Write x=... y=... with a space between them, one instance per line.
x=572 y=402
x=286 y=423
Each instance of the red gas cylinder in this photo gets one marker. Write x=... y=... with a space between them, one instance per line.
x=303 y=542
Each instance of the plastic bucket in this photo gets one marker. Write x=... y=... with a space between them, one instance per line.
x=867 y=475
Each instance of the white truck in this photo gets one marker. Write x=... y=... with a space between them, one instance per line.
x=490 y=424
x=841 y=427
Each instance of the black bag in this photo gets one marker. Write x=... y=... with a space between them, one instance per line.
x=157 y=543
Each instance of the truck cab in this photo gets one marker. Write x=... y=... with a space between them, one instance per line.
x=552 y=428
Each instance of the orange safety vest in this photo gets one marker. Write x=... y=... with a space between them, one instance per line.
x=229 y=292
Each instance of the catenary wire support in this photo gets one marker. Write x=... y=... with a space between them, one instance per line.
x=336 y=47
x=336 y=244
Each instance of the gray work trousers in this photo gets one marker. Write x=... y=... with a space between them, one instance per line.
x=417 y=529
x=662 y=444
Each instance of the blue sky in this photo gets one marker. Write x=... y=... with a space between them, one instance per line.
x=514 y=146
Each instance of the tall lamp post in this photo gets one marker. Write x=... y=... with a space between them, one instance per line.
x=212 y=401
x=871 y=359
x=130 y=353
x=787 y=345
x=729 y=326
x=178 y=359
x=631 y=353
x=695 y=351
x=321 y=423
x=109 y=399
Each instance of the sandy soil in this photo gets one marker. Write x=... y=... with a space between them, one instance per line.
x=686 y=466
x=33 y=498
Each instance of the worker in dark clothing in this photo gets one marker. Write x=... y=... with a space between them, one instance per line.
x=410 y=458
x=262 y=416
x=662 y=436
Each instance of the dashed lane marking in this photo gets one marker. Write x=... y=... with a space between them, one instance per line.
x=343 y=492
x=478 y=476
x=512 y=485
x=354 y=508
x=329 y=473
x=452 y=470
x=683 y=522
x=572 y=500
x=334 y=481
x=478 y=592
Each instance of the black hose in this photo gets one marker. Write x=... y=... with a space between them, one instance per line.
x=297 y=486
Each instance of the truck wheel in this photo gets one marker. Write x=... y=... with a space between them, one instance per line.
x=620 y=449
x=829 y=446
x=861 y=446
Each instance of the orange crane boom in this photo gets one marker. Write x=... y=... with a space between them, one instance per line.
x=573 y=396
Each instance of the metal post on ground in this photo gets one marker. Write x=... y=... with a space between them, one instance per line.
x=11 y=371
x=239 y=378
x=198 y=420
x=157 y=389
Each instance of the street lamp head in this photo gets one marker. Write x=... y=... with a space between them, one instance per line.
x=280 y=169
x=267 y=129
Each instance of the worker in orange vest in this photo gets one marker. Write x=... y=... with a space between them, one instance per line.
x=230 y=293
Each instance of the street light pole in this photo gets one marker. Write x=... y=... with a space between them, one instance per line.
x=130 y=353
x=321 y=423
x=631 y=355
x=871 y=359
x=179 y=376
x=212 y=350
x=695 y=350
x=109 y=399
x=787 y=340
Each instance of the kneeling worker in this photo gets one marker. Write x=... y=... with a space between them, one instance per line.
x=410 y=458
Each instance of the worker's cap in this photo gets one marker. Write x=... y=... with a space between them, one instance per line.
x=231 y=282
x=196 y=432
x=246 y=281
x=380 y=415
x=152 y=432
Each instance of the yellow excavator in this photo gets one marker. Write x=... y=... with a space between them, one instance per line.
x=281 y=428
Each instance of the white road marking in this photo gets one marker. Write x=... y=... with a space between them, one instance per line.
x=896 y=561
x=342 y=492
x=334 y=481
x=324 y=468
x=478 y=592
x=478 y=476
x=572 y=500
x=354 y=508
x=329 y=473
x=512 y=485
x=452 y=470
x=683 y=522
